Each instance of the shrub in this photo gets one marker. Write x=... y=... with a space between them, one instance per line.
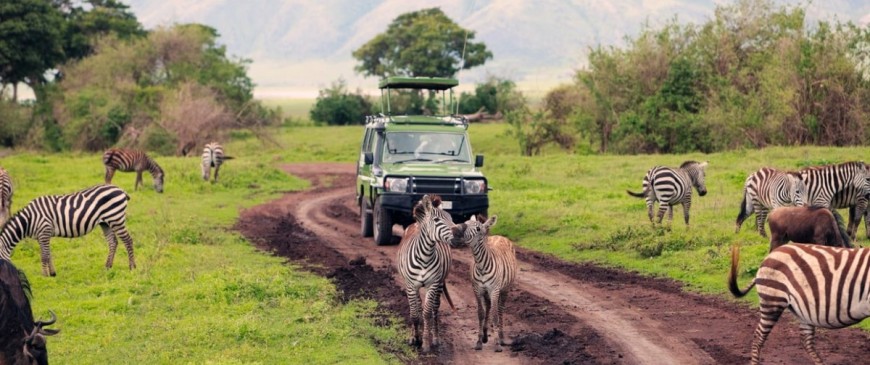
x=337 y=106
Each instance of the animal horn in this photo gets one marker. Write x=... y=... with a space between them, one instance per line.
x=49 y=322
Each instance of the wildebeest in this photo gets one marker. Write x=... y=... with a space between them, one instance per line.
x=807 y=225
x=22 y=341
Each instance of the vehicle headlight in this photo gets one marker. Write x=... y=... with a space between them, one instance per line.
x=474 y=186
x=396 y=184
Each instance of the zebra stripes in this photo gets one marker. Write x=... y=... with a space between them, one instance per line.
x=495 y=268
x=212 y=156
x=766 y=190
x=5 y=196
x=823 y=286
x=72 y=215
x=856 y=201
x=132 y=160
x=823 y=182
x=424 y=262
x=672 y=186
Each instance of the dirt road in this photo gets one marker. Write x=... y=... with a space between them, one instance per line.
x=559 y=313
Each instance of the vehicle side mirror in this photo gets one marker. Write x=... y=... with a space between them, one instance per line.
x=369 y=158
x=478 y=161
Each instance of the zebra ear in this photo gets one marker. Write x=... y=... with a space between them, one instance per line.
x=490 y=222
x=473 y=218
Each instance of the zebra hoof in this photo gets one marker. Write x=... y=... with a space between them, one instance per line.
x=498 y=348
x=478 y=346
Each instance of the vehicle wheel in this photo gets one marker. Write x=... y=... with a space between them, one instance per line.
x=365 y=218
x=383 y=224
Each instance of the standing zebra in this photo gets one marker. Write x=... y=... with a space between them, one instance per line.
x=5 y=196
x=424 y=262
x=823 y=286
x=670 y=187
x=856 y=201
x=72 y=215
x=212 y=156
x=766 y=190
x=823 y=182
x=132 y=160
x=495 y=268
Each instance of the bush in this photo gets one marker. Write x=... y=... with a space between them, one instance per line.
x=336 y=106
x=14 y=123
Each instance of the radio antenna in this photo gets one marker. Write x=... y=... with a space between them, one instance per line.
x=462 y=59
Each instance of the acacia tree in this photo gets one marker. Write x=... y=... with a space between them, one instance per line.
x=421 y=43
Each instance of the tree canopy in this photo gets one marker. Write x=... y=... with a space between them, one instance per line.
x=421 y=43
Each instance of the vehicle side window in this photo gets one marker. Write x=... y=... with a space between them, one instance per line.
x=367 y=141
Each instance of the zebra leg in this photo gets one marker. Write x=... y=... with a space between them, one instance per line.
x=760 y=218
x=495 y=310
x=206 y=171
x=687 y=203
x=216 y=169
x=501 y=303
x=769 y=315
x=45 y=251
x=649 y=211
x=481 y=319
x=121 y=231
x=414 y=303
x=110 y=172
x=430 y=316
x=138 y=180
x=113 y=244
x=854 y=221
x=808 y=340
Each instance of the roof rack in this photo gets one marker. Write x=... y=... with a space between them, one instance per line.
x=427 y=83
x=447 y=120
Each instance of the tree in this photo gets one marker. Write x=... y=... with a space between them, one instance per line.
x=421 y=43
x=337 y=106
x=103 y=17
x=30 y=42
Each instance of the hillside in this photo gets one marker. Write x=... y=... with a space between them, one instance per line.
x=304 y=45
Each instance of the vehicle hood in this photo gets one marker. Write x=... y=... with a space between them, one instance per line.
x=429 y=169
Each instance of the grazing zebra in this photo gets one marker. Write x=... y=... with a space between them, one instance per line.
x=856 y=201
x=823 y=286
x=766 y=190
x=71 y=215
x=495 y=268
x=22 y=340
x=672 y=186
x=212 y=156
x=5 y=196
x=132 y=160
x=424 y=262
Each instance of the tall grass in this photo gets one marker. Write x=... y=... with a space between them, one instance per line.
x=201 y=294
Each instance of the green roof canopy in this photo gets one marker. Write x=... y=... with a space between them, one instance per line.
x=426 y=83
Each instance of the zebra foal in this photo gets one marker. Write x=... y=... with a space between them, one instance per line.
x=424 y=262
x=71 y=215
x=5 y=196
x=766 y=190
x=669 y=187
x=823 y=286
x=212 y=156
x=132 y=160
x=495 y=268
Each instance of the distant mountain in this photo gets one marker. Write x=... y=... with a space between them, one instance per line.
x=300 y=46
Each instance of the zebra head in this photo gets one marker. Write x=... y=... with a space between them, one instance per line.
x=797 y=188
x=158 y=180
x=435 y=224
x=473 y=232
x=696 y=172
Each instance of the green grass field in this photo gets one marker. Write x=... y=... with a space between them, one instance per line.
x=203 y=295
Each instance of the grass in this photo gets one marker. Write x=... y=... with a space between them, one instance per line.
x=201 y=294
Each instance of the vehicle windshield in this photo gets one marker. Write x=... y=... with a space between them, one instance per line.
x=415 y=147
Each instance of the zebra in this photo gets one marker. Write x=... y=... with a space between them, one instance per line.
x=212 y=156
x=766 y=190
x=495 y=268
x=5 y=196
x=132 y=160
x=672 y=186
x=823 y=286
x=856 y=201
x=71 y=215
x=823 y=182
x=424 y=262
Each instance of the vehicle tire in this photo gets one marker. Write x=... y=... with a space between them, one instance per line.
x=365 y=218
x=383 y=224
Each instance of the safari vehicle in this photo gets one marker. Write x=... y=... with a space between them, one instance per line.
x=403 y=157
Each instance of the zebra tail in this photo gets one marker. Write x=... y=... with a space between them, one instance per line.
x=732 y=275
x=745 y=210
x=447 y=295
x=841 y=227
x=228 y=157
x=641 y=194
x=108 y=157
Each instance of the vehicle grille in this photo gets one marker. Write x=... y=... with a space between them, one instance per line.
x=436 y=185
